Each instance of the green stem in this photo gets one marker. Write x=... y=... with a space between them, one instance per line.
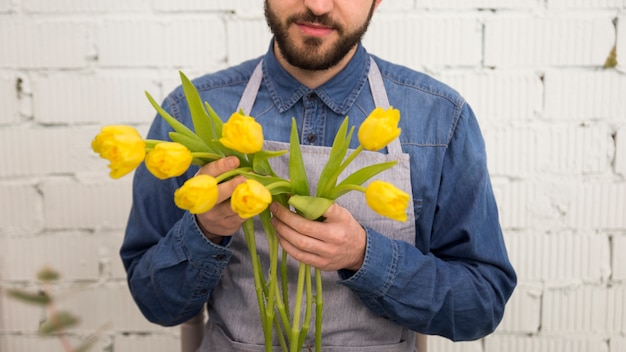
x=272 y=286
x=231 y=173
x=342 y=189
x=248 y=229
x=296 y=324
x=309 y=308
x=319 y=305
x=284 y=283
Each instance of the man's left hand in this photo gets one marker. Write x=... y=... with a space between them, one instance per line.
x=336 y=243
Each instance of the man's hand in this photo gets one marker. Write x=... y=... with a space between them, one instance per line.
x=337 y=243
x=221 y=220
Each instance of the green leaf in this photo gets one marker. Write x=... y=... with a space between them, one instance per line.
x=201 y=120
x=193 y=143
x=216 y=120
x=58 y=322
x=48 y=274
x=311 y=208
x=39 y=298
x=297 y=173
x=359 y=177
x=341 y=143
x=260 y=163
x=175 y=124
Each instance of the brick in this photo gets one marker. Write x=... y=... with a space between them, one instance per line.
x=516 y=201
x=586 y=4
x=44 y=151
x=398 y=5
x=114 y=98
x=213 y=5
x=512 y=343
x=551 y=40
x=560 y=259
x=22 y=208
x=186 y=41
x=618 y=344
x=34 y=43
x=71 y=204
x=584 y=310
x=6 y=6
x=77 y=256
x=437 y=343
x=477 y=4
x=512 y=151
x=619 y=260
x=462 y=37
x=9 y=100
x=597 y=206
x=621 y=41
x=499 y=96
x=523 y=311
x=247 y=39
x=585 y=94
x=84 y=6
x=620 y=151
x=568 y=149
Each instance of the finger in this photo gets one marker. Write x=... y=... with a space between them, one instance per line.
x=219 y=166
x=293 y=220
x=226 y=188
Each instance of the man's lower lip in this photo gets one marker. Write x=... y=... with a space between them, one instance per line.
x=314 y=31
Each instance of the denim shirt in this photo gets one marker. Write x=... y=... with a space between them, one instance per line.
x=455 y=280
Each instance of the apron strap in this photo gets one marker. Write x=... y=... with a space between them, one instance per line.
x=374 y=77
x=250 y=93
x=379 y=93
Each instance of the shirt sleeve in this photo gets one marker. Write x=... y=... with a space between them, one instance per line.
x=171 y=266
x=458 y=287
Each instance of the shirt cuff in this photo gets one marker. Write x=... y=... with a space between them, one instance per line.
x=379 y=266
x=201 y=252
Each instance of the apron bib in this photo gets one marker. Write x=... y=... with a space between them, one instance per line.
x=348 y=326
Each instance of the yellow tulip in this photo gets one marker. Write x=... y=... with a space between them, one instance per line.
x=250 y=198
x=198 y=194
x=243 y=134
x=379 y=128
x=387 y=200
x=122 y=146
x=168 y=159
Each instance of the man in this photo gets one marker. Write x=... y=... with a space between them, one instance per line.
x=445 y=271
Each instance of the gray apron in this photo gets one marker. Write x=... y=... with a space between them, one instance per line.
x=234 y=322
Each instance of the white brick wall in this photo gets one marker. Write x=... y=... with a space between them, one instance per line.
x=554 y=123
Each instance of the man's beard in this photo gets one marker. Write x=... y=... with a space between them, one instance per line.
x=309 y=57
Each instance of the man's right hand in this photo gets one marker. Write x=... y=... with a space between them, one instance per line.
x=221 y=220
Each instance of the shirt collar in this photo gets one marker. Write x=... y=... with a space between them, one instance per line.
x=339 y=93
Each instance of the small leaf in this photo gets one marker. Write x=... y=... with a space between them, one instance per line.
x=193 y=143
x=216 y=120
x=39 y=298
x=201 y=120
x=174 y=124
x=260 y=162
x=48 y=274
x=57 y=323
x=297 y=173
x=359 y=177
x=337 y=153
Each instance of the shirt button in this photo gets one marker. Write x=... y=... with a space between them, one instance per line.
x=310 y=97
x=311 y=138
x=220 y=257
x=204 y=291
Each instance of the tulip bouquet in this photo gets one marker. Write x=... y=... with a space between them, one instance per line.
x=242 y=137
